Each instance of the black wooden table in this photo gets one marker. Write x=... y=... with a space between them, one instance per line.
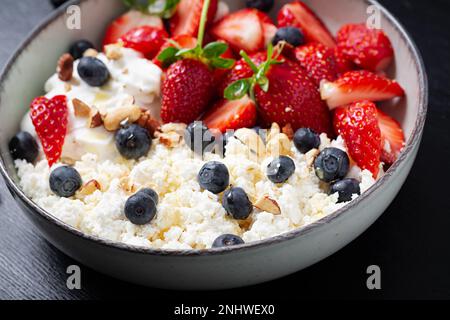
x=410 y=242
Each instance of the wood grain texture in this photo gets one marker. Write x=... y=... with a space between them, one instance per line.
x=409 y=242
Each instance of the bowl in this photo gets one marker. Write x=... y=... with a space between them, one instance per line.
x=34 y=61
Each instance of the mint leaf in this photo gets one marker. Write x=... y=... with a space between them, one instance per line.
x=237 y=89
x=214 y=49
x=222 y=63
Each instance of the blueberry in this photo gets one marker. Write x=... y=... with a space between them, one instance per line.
x=280 y=169
x=306 y=139
x=151 y=193
x=332 y=164
x=199 y=138
x=93 y=71
x=214 y=177
x=65 y=181
x=236 y=203
x=263 y=5
x=133 y=141
x=346 y=189
x=78 y=48
x=291 y=35
x=227 y=240
x=24 y=147
x=140 y=209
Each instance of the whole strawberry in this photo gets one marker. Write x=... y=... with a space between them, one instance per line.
x=189 y=82
x=357 y=123
x=369 y=49
x=49 y=118
x=284 y=93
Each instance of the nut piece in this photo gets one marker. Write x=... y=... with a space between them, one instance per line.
x=115 y=117
x=279 y=145
x=65 y=67
x=265 y=203
x=113 y=52
x=254 y=142
x=90 y=187
x=95 y=118
x=80 y=108
x=287 y=130
x=274 y=130
x=90 y=53
x=148 y=122
x=311 y=156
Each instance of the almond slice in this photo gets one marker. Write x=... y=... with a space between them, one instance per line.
x=95 y=118
x=80 y=108
x=279 y=145
x=115 y=117
x=89 y=188
x=113 y=52
x=253 y=141
x=265 y=203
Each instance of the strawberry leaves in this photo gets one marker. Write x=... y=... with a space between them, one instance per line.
x=163 y=8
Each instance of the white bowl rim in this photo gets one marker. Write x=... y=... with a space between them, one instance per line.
x=408 y=151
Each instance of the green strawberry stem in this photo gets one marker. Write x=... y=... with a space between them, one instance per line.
x=203 y=20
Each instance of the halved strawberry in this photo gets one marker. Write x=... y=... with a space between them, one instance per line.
x=231 y=115
x=392 y=138
x=146 y=39
x=369 y=49
x=298 y=14
x=357 y=123
x=128 y=21
x=243 y=30
x=186 y=19
x=343 y=64
x=319 y=61
x=49 y=118
x=357 y=85
x=182 y=41
x=268 y=27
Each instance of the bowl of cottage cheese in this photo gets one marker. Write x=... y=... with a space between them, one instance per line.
x=123 y=166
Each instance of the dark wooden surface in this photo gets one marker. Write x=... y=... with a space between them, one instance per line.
x=410 y=242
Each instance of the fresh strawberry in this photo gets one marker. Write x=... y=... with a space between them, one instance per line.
x=358 y=85
x=49 y=118
x=268 y=27
x=357 y=123
x=146 y=39
x=297 y=14
x=392 y=138
x=186 y=91
x=369 y=49
x=182 y=42
x=246 y=29
x=319 y=61
x=241 y=70
x=284 y=93
x=231 y=115
x=343 y=64
x=220 y=74
x=186 y=19
x=128 y=21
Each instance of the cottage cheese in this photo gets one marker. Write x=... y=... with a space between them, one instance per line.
x=188 y=217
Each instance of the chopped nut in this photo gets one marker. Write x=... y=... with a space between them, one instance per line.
x=90 y=53
x=253 y=141
x=148 y=122
x=279 y=145
x=265 y=203
x=311 y=156
x=65 y=67
x=274 y=130
x=170 y=139
x=89 y=188
x=113 y=52
x=287 y=130
x=115 y=117
x=67 y=87
x=126 y=185
x=95 y=118
x=80 y=108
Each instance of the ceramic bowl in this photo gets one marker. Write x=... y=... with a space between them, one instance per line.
x=252 y=263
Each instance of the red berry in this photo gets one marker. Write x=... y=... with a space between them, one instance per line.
x=49 y=118
x=186 y=19
x=392 y=138
x=146 y=39
x=357 y=123
x=183 y=42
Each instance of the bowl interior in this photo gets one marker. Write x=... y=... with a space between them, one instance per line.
x=33 y=64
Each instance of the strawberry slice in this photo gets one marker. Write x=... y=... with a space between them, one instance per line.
x=297 y=14
x=243 y=30
x=268 y=27
x=357 y=123
x=392 y=138
x=50 y=118
x=186 y=19
x=358 y=85
x=232 y=115
x=318 y=60
x=128 y=21
x=182 y=41
x=343 y=64
x=146 y=39
x=369 y=49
